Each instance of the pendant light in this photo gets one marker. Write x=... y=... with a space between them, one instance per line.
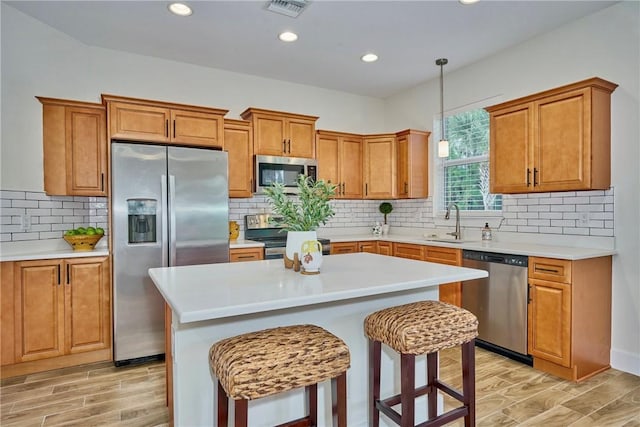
x=443 y=145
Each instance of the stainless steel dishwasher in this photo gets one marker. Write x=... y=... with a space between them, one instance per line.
x=499 y=301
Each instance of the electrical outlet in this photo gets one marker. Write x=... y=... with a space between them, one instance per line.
x=583 y=220
x=25 y=222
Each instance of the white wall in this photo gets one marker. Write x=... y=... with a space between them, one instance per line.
x=37 y=60
x=606 y=45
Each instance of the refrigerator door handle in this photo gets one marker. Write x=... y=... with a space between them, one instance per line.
x=172 y=220
x=165 y=236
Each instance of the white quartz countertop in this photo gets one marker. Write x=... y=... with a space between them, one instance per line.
x=29 y=254
x=513 y=248
x=242 y=243
x=211 y=291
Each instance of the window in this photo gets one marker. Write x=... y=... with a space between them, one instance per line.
x=466 y=171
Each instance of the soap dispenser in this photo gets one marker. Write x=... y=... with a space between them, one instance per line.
x=486 y=232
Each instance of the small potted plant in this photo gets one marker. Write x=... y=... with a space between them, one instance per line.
x=302 y=216
x=385 y=208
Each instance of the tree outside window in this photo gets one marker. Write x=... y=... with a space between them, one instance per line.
x=466 y=170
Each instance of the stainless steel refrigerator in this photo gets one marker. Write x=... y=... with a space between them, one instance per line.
x=170 y=207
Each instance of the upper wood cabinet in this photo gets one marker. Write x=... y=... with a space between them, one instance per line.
x=74 y=147
x=380 y=166
x=557 y=140
x=413 y=164
x=339 y=158
x=156 y=121
x=277 y=133
x=238 y=143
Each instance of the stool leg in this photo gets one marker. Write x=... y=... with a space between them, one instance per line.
x=432 y=375
x=469 y=382
x=375 y=351
x=407 y=389
x=223 y=406
x=312 y=402
x=339 y=400
x=241 y=407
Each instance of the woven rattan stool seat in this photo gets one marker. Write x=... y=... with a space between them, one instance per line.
x=421 y=327
x=259 y=364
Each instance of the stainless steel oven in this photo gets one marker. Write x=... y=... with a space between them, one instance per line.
x=260 y=229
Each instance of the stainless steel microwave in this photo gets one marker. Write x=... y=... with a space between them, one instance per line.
x=284 y=170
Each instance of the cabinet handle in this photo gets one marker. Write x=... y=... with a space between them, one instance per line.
x=174 y=128
x=284 y=146
x=289 y=146
x=102 y=181
x=68 y=273
x=528 y=177
x=366 y=189
x=246 y=256
x=58 y=274
x=166 y=128
x=343 y=188
x=535 y=176
x=548 y=270
x=406 y=188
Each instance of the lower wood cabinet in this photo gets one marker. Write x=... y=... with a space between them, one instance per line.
x=408 y=250
x=368 y=246
x=385 y=248
x=245 y=254
x=61 y=314
x=344 y=248
x=451 y=292
x=569 y=316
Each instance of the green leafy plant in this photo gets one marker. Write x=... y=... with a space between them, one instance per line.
x=311 y=208
x=385 y=209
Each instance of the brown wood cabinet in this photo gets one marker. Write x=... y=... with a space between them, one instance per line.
x=380 y=166
x=238 y=143
x=408 y=250
x=339 y=158
x=74 y=147
x=451 y=292
x=245 y=254
x=370 y=246
x=412 y=164
x=385 y=248
x=277 y=133
x=156 y=121
x=569 y=316
x=556 y=140
x=61 y=314
x=344 y=248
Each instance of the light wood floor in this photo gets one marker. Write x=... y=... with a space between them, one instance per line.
x=508 y=394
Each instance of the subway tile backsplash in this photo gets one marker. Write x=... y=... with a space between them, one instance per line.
x=584 y=213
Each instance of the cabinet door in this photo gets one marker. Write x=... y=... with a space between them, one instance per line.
x=371 y=247
x=451 y=292
x=327 y=155
x=269 y=135
x=385 y=248
x=300 y=138
x=39 y=310
x=351 y=167
x=139 y=122
x=407 y=250
x=549 y=319
x=402 y=147
x=344 y=248
x=511 y=150
x=88 y=302
x=196 y=128
x=379 y=167
x=238 y=143
x=563 y=154
x=86 y=151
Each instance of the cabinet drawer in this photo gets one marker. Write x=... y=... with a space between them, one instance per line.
x=553 y=270
x=441 y=255
x=245 y=254
x=344 y=248
x=410 y=251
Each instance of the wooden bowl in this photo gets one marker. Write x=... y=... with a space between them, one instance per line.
x=83 y=242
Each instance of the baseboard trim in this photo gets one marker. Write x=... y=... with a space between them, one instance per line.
x=625 y=361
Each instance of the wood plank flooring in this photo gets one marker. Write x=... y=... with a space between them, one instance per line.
x=508 y=394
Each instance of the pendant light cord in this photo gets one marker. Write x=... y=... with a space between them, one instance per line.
x=442 y=62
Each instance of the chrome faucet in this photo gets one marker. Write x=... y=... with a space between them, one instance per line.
x=457 y=234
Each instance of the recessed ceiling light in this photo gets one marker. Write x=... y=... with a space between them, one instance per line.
x=369 y=57
x=288 y=36
x=180 y=9
x=468 y=1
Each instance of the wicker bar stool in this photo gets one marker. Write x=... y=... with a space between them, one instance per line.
x=424 y=327
x=263 y=363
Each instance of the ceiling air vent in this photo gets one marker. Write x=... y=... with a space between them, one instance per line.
x=291 y=8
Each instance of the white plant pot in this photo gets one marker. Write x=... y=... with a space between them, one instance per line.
x=385 y=229
x=295 y=239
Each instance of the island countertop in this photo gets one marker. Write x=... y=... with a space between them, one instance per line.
x=213 y=291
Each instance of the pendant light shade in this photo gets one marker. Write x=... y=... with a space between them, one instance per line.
x=443 y=145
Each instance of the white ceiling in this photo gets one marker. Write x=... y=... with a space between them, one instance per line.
x=241 y=36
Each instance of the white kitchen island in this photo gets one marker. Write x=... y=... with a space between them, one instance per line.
x=215 y=301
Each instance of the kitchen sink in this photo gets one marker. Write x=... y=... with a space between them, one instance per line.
x=443 y=240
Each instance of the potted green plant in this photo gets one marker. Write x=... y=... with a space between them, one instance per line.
x=301 y=216
x=385 y=208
